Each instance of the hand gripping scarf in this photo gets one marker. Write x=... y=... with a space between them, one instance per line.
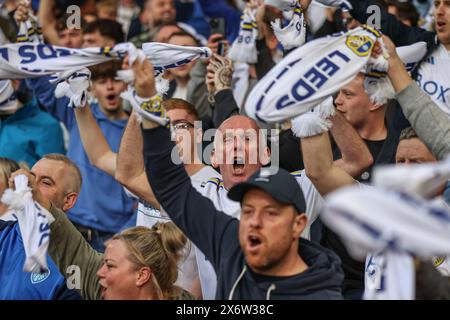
x=243 y=48
x=30 y=31
x=28 y=60
x=34 y=222
x=294 y=34
x=310 y=74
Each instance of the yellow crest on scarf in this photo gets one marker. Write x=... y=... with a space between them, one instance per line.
x=360 y=45
x=438 y=261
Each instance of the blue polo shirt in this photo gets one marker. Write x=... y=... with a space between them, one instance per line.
x=29 y=134
x=15 y=284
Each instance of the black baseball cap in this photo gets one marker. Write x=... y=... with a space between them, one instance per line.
x=281 y=185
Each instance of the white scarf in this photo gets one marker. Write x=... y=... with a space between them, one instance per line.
x=34 y=222
x=314 y=122
x=8 y=98
x=420 y=179
x=390 y=227
x=343 y=4
x=283 y=5
x=30 y=30
x=243 y=48
x=310 y=74
x=29 y=60
x=294 y=34
x=165 y=56
x=75 y=86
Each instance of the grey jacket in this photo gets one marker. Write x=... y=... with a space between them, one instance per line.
x=431 y=124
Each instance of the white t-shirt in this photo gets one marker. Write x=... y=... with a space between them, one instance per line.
x=434 y=77
x=180 y=92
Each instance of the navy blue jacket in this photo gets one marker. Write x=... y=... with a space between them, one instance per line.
x=217 y=236
x=18 y=285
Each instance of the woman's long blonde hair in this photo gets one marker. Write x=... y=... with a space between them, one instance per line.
x=159 y=248
x=7 y=167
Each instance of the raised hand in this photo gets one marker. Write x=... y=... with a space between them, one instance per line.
x=220 y=74
x=22 y=12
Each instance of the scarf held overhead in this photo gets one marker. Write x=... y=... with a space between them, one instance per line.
x=310 y=74
x=29 y=60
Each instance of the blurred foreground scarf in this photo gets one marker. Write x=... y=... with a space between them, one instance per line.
x=391 y=227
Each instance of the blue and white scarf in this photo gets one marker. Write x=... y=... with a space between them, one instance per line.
x=243 y=48
x=294 y=34
x=8 y=98
x=34 y=222
x=391 y=227
x=30 y=31
x=310 y=74
x=29 y=60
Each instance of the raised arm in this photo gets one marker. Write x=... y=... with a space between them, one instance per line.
x=356 y=156
x=48 y=21
x=130 y=170
x=68 y=248
x=401 y=34
x=212 y=231
x=431 y=124
x=94 y=142
x=320 y=168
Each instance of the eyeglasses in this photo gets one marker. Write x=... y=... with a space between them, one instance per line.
x=181 y=125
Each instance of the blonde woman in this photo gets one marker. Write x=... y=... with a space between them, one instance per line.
x=138 y=264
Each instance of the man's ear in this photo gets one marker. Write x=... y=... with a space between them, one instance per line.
x=265 y=157
x=299 y=224
x=69 y=201
x=375 y=106
x=214 y=163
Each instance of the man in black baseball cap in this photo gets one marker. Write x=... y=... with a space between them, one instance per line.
x=281 y=185
x=272 y=220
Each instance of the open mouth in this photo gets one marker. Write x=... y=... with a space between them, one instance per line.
x=111 y=98
x=102 y=291
x=238 y=166
x=254 y=242
x=440 y=25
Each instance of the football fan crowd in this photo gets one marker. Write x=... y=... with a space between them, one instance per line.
x=226 y=149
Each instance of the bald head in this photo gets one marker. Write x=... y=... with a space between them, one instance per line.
x=239 y=122
x=239 y=149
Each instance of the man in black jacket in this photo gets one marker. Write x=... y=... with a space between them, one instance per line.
x=259 y=257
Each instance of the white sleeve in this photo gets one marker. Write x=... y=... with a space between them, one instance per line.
x=313 y=200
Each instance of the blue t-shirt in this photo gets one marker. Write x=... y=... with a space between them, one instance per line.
x=29 y=134
x=102 y=203
x=15 y=284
